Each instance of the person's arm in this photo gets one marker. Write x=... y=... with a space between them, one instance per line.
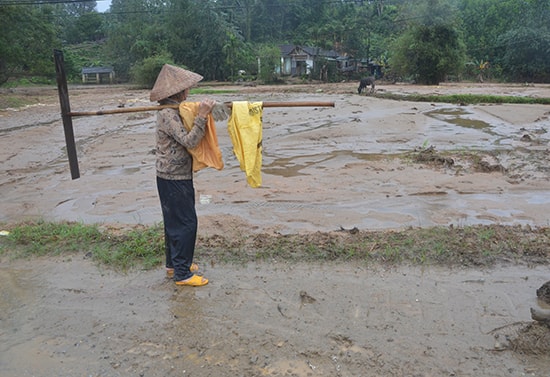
x=172 y=124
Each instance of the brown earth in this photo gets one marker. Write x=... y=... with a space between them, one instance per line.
x=366 y=163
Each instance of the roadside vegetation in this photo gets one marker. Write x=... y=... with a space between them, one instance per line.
x=466 y=99
x=142 y=247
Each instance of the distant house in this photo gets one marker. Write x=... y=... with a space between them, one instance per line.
x=300 y=60
x=98 y=75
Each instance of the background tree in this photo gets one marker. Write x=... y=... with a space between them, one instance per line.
x=196 y=37
x=503 y=33
x=526 y=54
x=135 y=31
x=145 y=73
x=28 y=36
x=77 y=9
x=268 y=63
x=84 y=28
x=423 y=39
x=431 y=47
x=483 y=22
x=238 y=55
x=273 y=21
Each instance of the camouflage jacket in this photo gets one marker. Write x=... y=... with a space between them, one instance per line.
x=173 y=160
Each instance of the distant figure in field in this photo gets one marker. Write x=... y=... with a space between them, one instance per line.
x=367 y=81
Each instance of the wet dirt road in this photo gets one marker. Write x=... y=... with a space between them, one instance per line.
x=67 y=318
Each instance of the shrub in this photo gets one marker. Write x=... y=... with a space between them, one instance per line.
x=144 y=73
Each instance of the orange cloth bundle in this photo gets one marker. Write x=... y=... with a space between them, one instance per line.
x=207 y=153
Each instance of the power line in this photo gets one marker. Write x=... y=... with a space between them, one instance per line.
x=43 y=2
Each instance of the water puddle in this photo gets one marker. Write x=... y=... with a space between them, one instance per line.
x=294 y=166
x=458 y=117
x=119 y=171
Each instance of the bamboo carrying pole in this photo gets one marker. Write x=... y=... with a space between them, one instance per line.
x=67 y=114
x=229 y=104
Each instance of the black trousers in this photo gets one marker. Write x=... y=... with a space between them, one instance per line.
x=177 y=199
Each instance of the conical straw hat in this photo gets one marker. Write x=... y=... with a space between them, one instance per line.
x=172 y=80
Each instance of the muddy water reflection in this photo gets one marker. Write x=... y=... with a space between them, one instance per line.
x=293 y=166
x=458 y=117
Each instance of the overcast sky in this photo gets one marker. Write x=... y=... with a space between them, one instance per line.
x=103 y=5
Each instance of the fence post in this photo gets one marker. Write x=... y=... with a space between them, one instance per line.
x=66 y=113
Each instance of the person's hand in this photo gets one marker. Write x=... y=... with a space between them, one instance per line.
x=206 y=107
x=221 y=111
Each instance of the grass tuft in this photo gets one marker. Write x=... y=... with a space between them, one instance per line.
x=143 y=246
x=464 y=98
x=197 y=91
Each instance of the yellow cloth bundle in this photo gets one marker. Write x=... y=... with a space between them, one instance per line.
x=245 y=129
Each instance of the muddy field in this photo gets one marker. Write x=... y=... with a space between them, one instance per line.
x=366 y=163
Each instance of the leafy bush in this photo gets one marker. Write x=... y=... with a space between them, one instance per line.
x=144 y=73
x=269 y=56
x=428 y=53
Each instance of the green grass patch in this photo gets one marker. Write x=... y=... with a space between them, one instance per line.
x=15 y=101
x=143 y=247
x=451 y=246
x=463 y=98
x=198 y=91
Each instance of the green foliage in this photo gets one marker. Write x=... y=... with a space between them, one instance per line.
x=78 y=56
x=269 y=61
x=135 y=31
x=238 y=56
x=144 y=73
x=87 y=27
x=217 y=38
x=428 y=53
x=197 y=36
x=27 y=40
x=429 y=12
x=483 y=21
x=526 y=54
x=143 y=247
x=512 y=35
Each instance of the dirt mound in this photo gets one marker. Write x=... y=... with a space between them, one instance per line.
x=525 y=338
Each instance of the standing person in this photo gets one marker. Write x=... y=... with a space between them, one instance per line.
x=174 y=171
